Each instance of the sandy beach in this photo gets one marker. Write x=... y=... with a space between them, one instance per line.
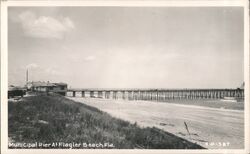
x=212 y=128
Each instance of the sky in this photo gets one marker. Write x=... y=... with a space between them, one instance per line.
x=127 y=47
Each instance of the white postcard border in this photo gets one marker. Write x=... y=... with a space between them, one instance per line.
x=161 y=3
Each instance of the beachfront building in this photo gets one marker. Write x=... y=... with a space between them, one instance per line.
x=41 y=86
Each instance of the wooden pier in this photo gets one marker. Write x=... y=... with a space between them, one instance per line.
x=157 y=94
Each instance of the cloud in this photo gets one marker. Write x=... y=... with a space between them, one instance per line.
x=90 y=58
x=45 y=26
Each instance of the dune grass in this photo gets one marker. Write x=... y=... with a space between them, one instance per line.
x=55 y=118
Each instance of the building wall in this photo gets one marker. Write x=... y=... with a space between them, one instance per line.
x=60 y=89
x=42 y=89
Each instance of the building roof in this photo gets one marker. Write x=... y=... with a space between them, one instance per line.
x=61 y=84
x=45 y=84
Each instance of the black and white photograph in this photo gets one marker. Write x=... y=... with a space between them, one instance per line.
x=126 y=77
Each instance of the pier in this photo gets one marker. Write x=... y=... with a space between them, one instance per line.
x=157 y=94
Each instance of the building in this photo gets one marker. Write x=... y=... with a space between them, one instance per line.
x=39 y=86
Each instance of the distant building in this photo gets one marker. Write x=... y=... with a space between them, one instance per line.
x=39 y=86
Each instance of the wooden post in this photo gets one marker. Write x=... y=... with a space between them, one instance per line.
x=123 y=95
x=99 y=94
x=107 y=94
x=114 y=94
x=92 y=94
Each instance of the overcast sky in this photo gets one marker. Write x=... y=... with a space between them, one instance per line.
x=119 y=47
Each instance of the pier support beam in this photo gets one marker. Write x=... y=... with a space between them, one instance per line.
x=99 y=94
x=83 y=94
x=92 y=94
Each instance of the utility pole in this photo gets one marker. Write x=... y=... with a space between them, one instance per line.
x=27 y=76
